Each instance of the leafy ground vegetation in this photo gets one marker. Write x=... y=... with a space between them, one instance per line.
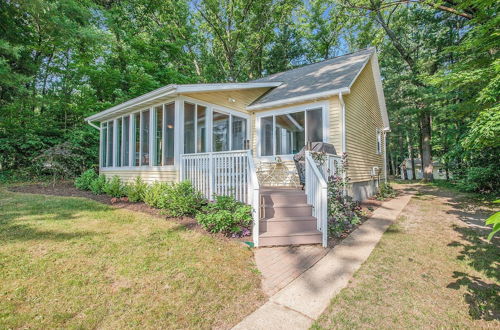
x=76 y=263
x=433 y=267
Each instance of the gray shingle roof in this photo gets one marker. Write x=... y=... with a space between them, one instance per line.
x=333 y=74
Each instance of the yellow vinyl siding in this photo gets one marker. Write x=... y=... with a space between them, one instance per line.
x=335 y=124
x=363 y=117
x=242 y=98
x=148 y=176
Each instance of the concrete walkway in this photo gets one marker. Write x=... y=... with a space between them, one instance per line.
x=302 y=301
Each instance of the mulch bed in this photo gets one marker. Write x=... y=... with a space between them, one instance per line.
x=67 y=189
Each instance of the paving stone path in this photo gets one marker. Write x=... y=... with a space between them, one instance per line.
x=295 y=302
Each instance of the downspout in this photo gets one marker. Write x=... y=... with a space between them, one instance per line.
x=385 y=131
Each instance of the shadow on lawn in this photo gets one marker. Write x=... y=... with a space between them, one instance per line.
x=482 y=297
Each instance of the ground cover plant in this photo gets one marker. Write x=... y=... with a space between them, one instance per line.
x=226 y=215
x=434 y=267
x=75 y=263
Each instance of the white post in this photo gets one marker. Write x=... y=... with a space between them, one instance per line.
x=211 y=174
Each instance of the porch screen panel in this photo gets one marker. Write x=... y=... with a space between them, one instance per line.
x=158 y=136
x=104 y=144
x=169 y=133
x=126 y=141
x=145 y=159
x=189 y=127
x=201 y=128
x=220 y=131
x=109 y=158
x=290 y=133
x=136 y=138
x=266 y=136
x=314 y=125
x=118 y=146
x=239 y=132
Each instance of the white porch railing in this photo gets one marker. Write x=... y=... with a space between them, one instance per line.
x=227 y=173
x=331 y=166
x=317 y=195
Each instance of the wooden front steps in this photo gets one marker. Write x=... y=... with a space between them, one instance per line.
x=286 y=218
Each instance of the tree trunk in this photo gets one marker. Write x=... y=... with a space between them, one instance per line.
x=425 y=119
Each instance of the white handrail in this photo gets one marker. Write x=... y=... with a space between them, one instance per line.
x=317 y=195
x=253 y=191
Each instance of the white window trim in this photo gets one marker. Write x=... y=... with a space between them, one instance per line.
x=324 y=105
x=378 y=141
x=209 y=117
x=178 y=133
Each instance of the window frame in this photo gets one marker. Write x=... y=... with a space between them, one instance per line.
x=325 y=106
x=210 y=108
x=132 y=141
x=378 y=141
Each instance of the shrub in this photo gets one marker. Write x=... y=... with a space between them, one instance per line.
x=385 y=191
x=136 y=190
x=480 y=179
x=226 y=215
x=343 y=212
x=97 y=186
x=175 y=199
x=114 y=187
x=155 y=195
x=85 y=179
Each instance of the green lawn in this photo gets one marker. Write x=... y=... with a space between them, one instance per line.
x=76 y=263
x=432 y=269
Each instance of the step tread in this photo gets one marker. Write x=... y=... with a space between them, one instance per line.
x=302 y=233
x=289 y=219
x=286 y=205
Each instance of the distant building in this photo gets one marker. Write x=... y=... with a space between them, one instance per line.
x=438 y=170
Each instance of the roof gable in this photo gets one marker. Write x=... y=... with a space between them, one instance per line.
x=336 y=74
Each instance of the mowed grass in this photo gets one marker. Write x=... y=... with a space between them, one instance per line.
x=76 y=263
x=432 y=269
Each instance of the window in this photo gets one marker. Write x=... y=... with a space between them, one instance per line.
x=239 y=132
x=104 y=144
x=136 y=142
x=266 y=129
x=109 y=156
x=158 y=135
x=145 y=137
x=220 y=132
x=195 y=128
x=126 y=140
x=379 y=141
x=169 y=113
x=118 y=148
x=287 y=134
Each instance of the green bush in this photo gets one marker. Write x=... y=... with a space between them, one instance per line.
x=385 y=191
x=136 y=190
x=226 y=215
x=114 y=187
x=97 y=186
x=175 y=199
x=155 y=194
x=480 y=179
x=84 y=181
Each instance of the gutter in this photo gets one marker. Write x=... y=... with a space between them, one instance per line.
x=298 y=99
x=93 y=125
